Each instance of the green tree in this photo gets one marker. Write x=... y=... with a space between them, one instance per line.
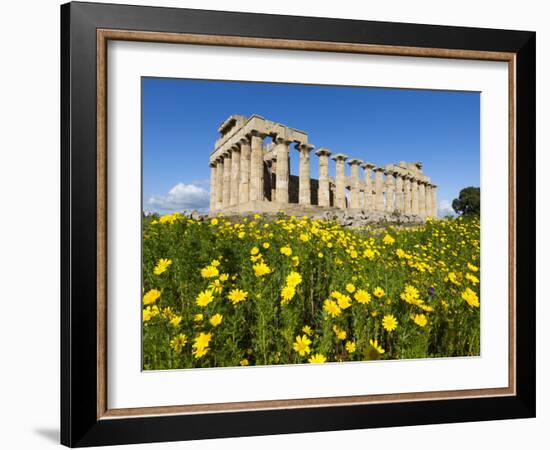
x=468 y=202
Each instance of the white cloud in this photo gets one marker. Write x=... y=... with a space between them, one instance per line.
x=182 y=197
x=445 y=208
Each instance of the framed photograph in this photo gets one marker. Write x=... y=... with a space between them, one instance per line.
x=276 y=224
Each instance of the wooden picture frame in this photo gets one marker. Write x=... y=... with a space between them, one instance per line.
x=85 y=416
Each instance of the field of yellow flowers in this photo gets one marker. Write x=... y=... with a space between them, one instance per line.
x=286 y=290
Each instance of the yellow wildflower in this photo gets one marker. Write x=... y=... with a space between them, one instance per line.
x=254 y=251
x=340 y=334
x=293 y=279
x=151 y=296
x=175 y=321
x=378 y=292
x=332 y=308
x=237 y=296
x=420 y=319
x=307 y=330
x=388 y=240
x=374 y=344
x=198 y=317
x=243 y=362
x=287 y=251
x=470 y=297
x=178 y=342
x=162 y=266
x=201 y=344
x=350 y=288
x=318 y=358
x=301 y=346
x=389 y=322
x=287 y=294
x=216 y=319
x=362 y=296
x=344 y=301
x=261 y=269
x=350 y=347
x=204 y=298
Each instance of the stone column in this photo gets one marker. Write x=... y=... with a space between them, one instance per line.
x=421 y=198
x=390 y=188
x=283 y=170
x=369 y=199
x=407 y=195
x=323 y=189
x=304 y=195
x=414 y=196
x=340 y=194
x=428 y=196
x=219 y=184
x=434 y=200
x=244 y=171
x=379 y=189
x=273 y=180
x=354 y=191
x=213 y=185
x=226 y=179
x=235 y=174
x=256 y=188
x=399 y=203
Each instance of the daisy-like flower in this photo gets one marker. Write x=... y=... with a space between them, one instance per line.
x=216 y=319
x=151 y=296
x=261 y=269
x=287 y=294
x=389 y=322
x=420 y=319
x=301 y=345
x=374 y=344
x=209 y=272
x=204 y=298
x=286 y=250
x=237 y=295
x=162 y=266
x=470 y=297
x=378 y=292
x=331 y=308
x=293 y=279
x=318 y=358
x=350 y=347
x=178 y=342
x=362 y=296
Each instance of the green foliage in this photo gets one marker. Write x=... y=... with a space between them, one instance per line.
x=440 y=260
x=468 y=202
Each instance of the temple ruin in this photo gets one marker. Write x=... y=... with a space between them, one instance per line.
x=250 y=173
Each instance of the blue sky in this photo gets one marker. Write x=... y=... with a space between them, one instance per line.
x=380 y=125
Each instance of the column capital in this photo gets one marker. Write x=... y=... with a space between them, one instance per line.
x=256 y=133
x=244 y=140
x=378 y=169
x=235 y=148
x=368 y=165
x=340 y=157
x=304 y=146
x=355 y=162
x=213 y=163
x=281 y=140
x=323 y=151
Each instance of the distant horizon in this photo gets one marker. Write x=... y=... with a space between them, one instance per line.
x=180 y=119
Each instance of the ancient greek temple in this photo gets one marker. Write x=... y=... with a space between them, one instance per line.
x=250 y=172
